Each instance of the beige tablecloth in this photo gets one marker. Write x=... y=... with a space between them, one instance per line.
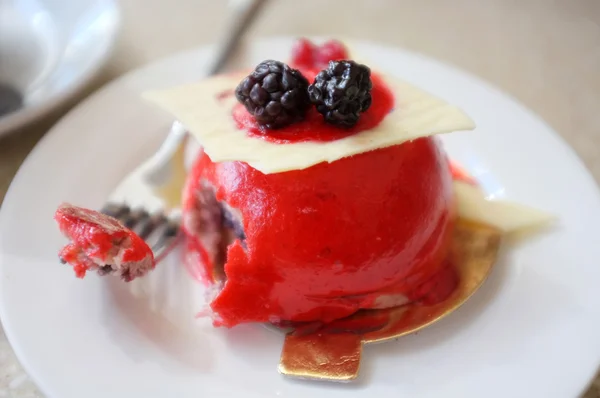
x=546 y=53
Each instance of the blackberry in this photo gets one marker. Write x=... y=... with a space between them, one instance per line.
x=275 y=94
x=341 y=92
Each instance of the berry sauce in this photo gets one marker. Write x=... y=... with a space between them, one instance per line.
x=314 y=127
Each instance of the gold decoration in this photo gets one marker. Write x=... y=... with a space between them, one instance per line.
x=336 y=357
x=322 y=356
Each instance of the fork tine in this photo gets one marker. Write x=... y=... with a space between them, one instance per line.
x=145 y=228
x=170 y=231
x=135 y=217
x=158 y=235
x=116 y=210
x=157 y=230
x=164 y=245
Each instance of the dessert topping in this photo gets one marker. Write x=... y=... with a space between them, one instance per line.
x=275 y=94
x=341 y=92
x=416 y=114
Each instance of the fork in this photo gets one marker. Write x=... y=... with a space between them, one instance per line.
x=158 y=228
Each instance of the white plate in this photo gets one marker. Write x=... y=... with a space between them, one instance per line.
x=51 y=48
x=532 y=330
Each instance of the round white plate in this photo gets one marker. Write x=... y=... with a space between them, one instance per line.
x=51 y=48
x=532 y=330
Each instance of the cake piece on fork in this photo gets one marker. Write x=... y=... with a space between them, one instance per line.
x=101 y=243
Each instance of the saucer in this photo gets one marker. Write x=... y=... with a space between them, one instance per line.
x=48 y=51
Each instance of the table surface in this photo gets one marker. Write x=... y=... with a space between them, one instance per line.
x=545 y=53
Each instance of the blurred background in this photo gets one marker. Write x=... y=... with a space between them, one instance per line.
x=545 y=53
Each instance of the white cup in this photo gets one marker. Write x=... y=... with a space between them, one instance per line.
x=29 y=45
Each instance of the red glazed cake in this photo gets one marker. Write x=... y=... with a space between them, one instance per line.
x=366 y=226
x=363 y=232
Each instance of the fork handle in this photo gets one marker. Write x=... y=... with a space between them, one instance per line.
x=160 y=171
x=244 y=13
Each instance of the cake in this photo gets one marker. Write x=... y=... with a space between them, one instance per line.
x=316 y=193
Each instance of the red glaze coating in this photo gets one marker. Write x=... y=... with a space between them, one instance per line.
x=328 y=240
x=313 y=127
